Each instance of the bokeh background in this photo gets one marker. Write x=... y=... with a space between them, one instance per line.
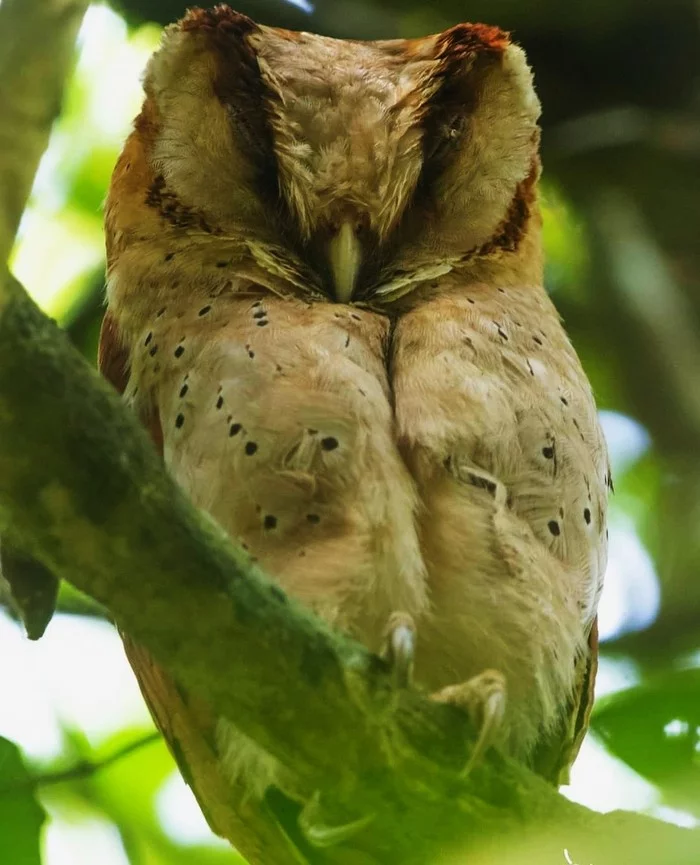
x=620 y=85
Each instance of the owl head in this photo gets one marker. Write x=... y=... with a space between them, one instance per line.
x=364 y=168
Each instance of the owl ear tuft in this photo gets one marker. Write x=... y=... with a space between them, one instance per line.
x=213 y=145
x=473 y=58
x=464 y=42
x=220 y=19
x=480 y=113
x=209 y=52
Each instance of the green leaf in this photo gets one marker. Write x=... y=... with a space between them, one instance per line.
x=21 y=816
x=565 y=243
x=655 y=729
x=91 y=177
x=125 y=792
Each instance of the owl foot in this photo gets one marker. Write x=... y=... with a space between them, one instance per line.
x=484 y=699
x=321 y=834
x=399 y=647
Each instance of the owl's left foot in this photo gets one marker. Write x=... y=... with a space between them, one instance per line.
x=399 y=647
x=484 y=699
x=319 y=833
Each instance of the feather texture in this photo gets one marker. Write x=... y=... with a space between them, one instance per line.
x=430 y=446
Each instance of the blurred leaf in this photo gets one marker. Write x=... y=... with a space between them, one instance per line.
x=566 y=249
x=91 y=177
x=655 y=729
x=130 y=785
x=637 y=488
x=77 y=748
x=56 y=257
x=125 y=793
x=21 y=816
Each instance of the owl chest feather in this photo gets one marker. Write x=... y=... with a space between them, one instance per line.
x=497 y=425
x=453 y=469
x=437 y=454
x=276 y=418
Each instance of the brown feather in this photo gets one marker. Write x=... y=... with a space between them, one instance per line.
x=189 y=731
x=555 y=756
x=433 y=445
x=188 y=727
x=112 y=355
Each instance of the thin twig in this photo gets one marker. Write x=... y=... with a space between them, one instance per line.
x=83 y=769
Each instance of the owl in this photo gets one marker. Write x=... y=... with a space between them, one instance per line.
x=326 y=304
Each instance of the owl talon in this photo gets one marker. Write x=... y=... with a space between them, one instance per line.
x=399 y=647
x=320 y=834
x=484 y=699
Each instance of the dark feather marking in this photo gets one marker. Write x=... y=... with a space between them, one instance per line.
x=239 y=85
x=508 y=235
x=460 y=52
x=172 y=210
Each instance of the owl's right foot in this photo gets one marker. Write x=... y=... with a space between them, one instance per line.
x=483 y=697
x=399 y=647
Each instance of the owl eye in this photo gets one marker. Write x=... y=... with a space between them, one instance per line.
x=454 y=129
x=243 y=129
x=444 y=139
x=358 y=221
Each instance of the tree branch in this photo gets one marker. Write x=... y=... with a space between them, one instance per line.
x=80 y=770
x=84 y=491
x=36 y=51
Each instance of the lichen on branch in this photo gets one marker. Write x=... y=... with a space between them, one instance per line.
x=86 y=493
x=83 y=490
x=37 y=39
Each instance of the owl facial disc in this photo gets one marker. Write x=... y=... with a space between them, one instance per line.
x=345 y=258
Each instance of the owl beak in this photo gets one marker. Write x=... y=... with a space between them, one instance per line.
x=345 y=257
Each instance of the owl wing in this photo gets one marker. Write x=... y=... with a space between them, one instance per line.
x=556 y=755
x=186 y=723
x=497 y=422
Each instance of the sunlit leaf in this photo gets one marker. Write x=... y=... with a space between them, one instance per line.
x=21 y=817
x=91 y=178
x=125 y=793
x=655 y=729
x=56 y=257
x=564 y=242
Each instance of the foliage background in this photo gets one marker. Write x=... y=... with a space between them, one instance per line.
x=620 y=84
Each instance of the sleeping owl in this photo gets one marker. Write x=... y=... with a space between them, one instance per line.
x=326 y=304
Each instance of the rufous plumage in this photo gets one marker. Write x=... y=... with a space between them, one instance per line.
x=326 y=302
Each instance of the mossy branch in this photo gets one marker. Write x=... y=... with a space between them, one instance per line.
x=37 y=39
x=84 y=491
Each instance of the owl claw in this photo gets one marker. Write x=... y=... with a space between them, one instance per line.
x=484 y=699
x=320 y=834
x=399 y=647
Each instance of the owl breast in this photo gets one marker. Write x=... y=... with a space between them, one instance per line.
x=276 y=418
x=496 y=422
x=450 y=467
